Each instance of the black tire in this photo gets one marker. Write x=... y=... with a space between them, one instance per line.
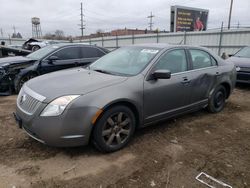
x=22 y=80
x=114 y=129
x=35 y=48
x=218 y=100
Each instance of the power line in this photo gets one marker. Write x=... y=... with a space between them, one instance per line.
x=151 y=16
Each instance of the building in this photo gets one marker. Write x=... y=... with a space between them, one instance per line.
x=121 y=32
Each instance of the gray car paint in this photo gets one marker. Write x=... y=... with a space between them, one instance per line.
x=240 y=61
x=151 y=100
x=244 y=64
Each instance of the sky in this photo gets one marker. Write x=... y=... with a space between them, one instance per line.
x=109 y=14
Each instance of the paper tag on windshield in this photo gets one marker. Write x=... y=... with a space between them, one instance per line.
x=150 y=51
x=55 y=47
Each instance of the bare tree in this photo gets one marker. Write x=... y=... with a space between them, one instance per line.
x=59 y=34
x=99 y=32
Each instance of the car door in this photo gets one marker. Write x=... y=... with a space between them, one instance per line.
x=65 y=58
x=164 y=98
x=205 y=72
x=90 y=54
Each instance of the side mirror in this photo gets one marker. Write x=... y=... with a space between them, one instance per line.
x=53 y=58
x=161 y=74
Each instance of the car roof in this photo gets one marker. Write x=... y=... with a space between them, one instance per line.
x=71 y=44
x=165 y=45
x=61 y=45
x=153 y=45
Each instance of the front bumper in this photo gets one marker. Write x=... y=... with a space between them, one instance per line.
x=72 y=128
x=6 y=85
x=243 y=77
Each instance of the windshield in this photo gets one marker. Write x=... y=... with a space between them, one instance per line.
x=244 y=52
x=125 y=61
x=39 y=54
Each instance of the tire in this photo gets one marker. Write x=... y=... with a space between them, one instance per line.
x=35 y=48
x=218 y=100
x=22 y=80
x=114 y=129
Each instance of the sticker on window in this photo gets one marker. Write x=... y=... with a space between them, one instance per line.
x=55 y=46
x=150 y=51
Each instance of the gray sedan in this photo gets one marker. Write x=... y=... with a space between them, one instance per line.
x=130 y=88
x=242 y=62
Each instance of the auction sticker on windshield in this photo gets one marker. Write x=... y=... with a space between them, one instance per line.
x=151 y=51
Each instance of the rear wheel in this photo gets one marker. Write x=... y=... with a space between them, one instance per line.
x=218 y=100
x=114 y=129
x=35 y=48
x=24 y=79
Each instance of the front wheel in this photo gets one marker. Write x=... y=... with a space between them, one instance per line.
x=218 y=100
x=22 y=80
x=114 y=129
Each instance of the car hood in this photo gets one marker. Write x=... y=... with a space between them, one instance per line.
x=239 y=61
x=77 y=81
x=6 y=61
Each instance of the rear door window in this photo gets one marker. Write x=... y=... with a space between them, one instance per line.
x=201 y=59
x=91 y=52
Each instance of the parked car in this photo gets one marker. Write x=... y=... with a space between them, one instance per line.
x=129 y=88
x=15 y=71
x=242 y=62
x=33 y=44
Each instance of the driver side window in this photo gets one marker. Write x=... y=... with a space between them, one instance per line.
x=175 y=61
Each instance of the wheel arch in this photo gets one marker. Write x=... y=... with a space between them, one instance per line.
x=22 y=73
x=132 y=106
x=227 y=87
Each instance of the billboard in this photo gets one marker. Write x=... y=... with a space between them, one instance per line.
x=188 y=19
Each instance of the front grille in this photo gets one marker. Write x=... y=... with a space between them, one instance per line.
x=244 y=69
x=243 y=77
x=28 y=103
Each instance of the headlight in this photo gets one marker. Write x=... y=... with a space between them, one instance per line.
x=57 y=106
x=237 y=69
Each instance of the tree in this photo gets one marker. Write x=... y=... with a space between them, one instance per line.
x=99 y=32
x=59 y=34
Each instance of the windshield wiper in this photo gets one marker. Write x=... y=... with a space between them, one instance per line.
x=102 y=71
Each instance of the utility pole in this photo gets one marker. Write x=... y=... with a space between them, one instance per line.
x=230 y=14
x=151 y=21
x=1 y=31
x=82 y=26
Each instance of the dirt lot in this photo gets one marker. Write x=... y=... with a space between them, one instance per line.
x=170 y=154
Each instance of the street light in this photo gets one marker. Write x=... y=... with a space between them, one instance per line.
x=230 y=14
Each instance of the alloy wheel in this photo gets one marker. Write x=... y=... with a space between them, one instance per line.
x=116 y=129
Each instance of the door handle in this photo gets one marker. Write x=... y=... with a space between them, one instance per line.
x=185 y=80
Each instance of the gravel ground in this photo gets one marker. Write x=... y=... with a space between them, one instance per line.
x=169 y=154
